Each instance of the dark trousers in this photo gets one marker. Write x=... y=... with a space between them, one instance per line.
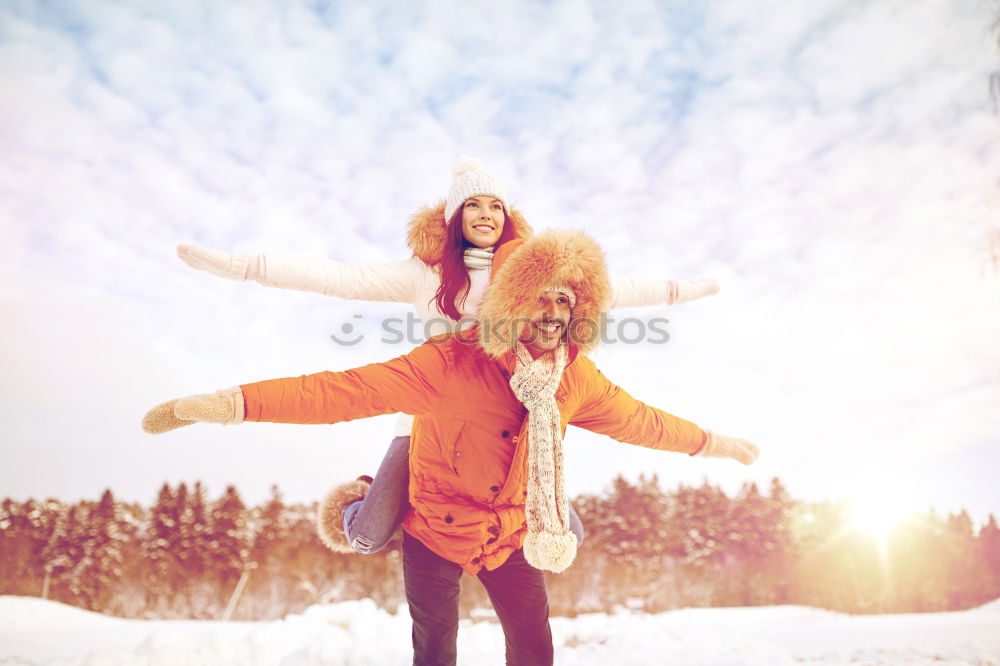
x=516 y=589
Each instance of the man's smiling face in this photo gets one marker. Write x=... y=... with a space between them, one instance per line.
x=548 y=322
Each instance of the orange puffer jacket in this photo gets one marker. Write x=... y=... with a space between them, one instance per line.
x=468 y=466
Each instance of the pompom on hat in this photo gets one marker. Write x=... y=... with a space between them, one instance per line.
x=471 y=180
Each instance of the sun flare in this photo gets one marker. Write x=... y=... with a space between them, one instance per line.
x=879 y=512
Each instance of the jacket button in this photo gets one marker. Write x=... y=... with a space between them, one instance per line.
x=505 y=373
x=458 y=453
x=449 y=519
x=494 y=531
x=494 y=489
x=505 y=433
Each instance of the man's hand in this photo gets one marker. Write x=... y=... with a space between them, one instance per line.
x=224 y=407
x=720 y=446
x=231 y=265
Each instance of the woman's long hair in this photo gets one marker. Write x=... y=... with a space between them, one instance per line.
x=454 y=275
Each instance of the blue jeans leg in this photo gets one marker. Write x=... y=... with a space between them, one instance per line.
x=370 y=523
x=576 y=526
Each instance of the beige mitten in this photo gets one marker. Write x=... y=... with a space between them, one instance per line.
x=231 y=265
x=225 y=406
x=689 y=290
x=161 y=419
x=720 y=446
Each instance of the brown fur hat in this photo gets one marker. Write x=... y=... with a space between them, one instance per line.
x=523 y=270
x=330 y=515
x=428 y=232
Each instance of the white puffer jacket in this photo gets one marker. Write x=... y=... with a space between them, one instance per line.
x=416 y=280
x=412 y=281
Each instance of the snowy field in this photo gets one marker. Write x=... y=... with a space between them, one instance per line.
x=35 y=632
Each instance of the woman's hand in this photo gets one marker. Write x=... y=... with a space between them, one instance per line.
x=689 y=290
x=231 y=265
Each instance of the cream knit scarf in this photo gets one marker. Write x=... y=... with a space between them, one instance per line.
x=549 y=544
x=478 y=257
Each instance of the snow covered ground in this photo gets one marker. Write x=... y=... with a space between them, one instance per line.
x=35 y=632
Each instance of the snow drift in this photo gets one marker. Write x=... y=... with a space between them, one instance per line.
x=34 y=632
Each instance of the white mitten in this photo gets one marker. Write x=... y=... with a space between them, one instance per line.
x=720 y=446
x=689 y=290
x=225 y=406
x=231 y=265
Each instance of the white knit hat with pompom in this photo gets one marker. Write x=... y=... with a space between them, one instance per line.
x=472 y=181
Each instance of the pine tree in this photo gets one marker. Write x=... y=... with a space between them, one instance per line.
x=964 y=567
x=637 y=527
x=160 y=550
x=989 y=548
x=25 y=530
x=192 y=529
x=779 y=509
x=272 y=529
x=99 y=536
x=59 y=554
x=229 y=537
x=697 y=533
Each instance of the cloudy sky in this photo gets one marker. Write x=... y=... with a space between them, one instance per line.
x=833 y=164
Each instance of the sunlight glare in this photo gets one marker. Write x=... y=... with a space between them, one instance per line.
x=879 y=511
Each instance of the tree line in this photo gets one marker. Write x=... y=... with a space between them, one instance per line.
x=646 y=548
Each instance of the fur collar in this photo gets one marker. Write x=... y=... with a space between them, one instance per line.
x=428 y=233
x=523 y=269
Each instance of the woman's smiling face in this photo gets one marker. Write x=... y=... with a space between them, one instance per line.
x=482 y=220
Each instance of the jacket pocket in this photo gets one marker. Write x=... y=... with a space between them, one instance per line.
x=455 y=446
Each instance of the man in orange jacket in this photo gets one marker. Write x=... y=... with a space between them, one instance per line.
x=486 y=465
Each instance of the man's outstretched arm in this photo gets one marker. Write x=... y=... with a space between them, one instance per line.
x=609 y=410
x=409 y=383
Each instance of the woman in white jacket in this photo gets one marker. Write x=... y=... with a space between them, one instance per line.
x=453 y=244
